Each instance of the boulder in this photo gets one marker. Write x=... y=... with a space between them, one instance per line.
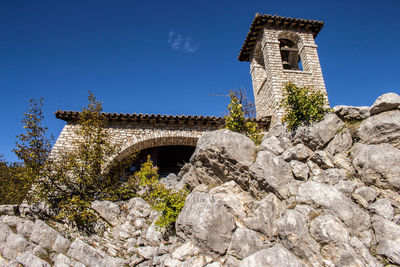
x=319 y=134
x=300 y=170
x=382 y=207
x=351 y=112
x=378 y=165
x=299 y=152
x=272 y=173
x=388 y=238
x=367 y=193
x=265 y=213
x=271 y=144
x=330 y=176
x=244 y=243
x=43 y=235
x=381 y=128
x=322 y=159
x=385 y=102
x=185 y=251
x=28 y=259
x=205 y=220
x=237 y=146
x=340 y=143
x=330 y=198
x=107 y=210
x=277 y=255
x=327 y=228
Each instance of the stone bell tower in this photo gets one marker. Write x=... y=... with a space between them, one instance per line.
x=281 y=50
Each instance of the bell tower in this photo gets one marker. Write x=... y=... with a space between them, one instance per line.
x=281 y=50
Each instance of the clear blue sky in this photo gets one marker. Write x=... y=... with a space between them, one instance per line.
x=173 y=57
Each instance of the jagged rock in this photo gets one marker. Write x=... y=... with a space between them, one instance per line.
x=272 y=173
x=388 y=238
x=25 y=228
x=244 y=243
x=299 y=152
x=237 y=146
x=368 y=193
x=28 y=259
x=385 y=102
x=205 y=220
x=148 y=252
x=107 y=210
x=265 y=213
x=340 y=143
x=90 y=256
x=169 y=262
x=382 y=207
x=322 y=159
x=153 y=235
x=18 y=243
x=5 y=231
x=138 y=208
x=8 y=209
x=320 y=133
x=61 y=244
x=43 y=235
x=272 y=145
x=185 y=251
x=330 y=198
x=293 y=231
x=63 y=261
x=340 y=160
x=351 y=112
x=327 y=228
x=274 y=256
x=300 y=170
x=381 y=128
x=346 y=187
x=378 y=165
x=330 y=176
x=234 y=198
x=278 y=130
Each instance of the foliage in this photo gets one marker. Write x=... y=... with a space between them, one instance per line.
x=236 y=120
x=167 y=202
x=303 y=106
x=13 y=185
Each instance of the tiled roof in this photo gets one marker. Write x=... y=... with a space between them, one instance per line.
x=162 y=119
x=259 y=21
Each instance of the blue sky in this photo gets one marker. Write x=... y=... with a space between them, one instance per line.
x=175 y=57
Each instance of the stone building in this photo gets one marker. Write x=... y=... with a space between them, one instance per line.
x=279 y=50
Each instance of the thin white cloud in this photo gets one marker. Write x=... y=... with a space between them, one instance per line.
x=180 y=42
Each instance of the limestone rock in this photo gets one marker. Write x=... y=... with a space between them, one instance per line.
x=265 y=213
x=382 y=207
x=61 y=244
x=43 y=235
x=300 y=170
x=351 y=112
x=327 y=228
x=63 y=261
x=322 y=159
x=388 y=238
x=205 y=220
x=368 y=193
x=272 y=145
x=385 y=102
x=299 y=152
x=274 y=256
x=319 y=134
x=108 y=210
x=237 y=146
x=381 y=128
x=378 y=165
x=244 y=242
x=340 y=143
x=8 y=209
x=330 y=198
x=185 y=251
x=330 y=176
x=28 y=259
x=272 y=172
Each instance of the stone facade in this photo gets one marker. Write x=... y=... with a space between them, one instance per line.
x=136 y=132
x=262 y=49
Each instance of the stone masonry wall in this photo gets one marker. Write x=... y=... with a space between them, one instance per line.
x=270 y=77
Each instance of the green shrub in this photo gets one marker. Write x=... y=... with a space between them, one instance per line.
x=167 y=202
x=303 y=106
x=236 y=120
x=13 y=183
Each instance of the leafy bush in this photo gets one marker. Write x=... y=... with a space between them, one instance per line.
x=167 y=202
x=236 y=120
x=13 y=184
x=303 y=106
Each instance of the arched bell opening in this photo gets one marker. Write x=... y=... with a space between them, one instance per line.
x=290 y=55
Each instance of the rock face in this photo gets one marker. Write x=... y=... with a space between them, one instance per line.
x=325 y=195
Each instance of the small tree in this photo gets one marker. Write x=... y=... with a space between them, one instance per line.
x=236 y=120
x=303 y=105
x=13 y=183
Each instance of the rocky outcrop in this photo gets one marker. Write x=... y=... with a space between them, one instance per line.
x=325 y=195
